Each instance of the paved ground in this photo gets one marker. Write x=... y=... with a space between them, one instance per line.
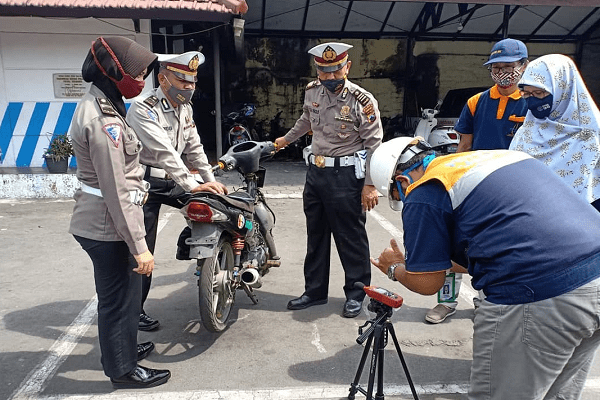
x=48 y=336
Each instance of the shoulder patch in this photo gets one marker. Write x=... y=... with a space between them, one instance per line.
x=313 y=84
x=114 y=132
x=151 y=101
x=152 y=115
x=361 y=97
x=106 y=106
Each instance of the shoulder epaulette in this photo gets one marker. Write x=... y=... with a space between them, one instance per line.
x=313 y=84
x=361 y=97
x=105 y=106
x=151 y=100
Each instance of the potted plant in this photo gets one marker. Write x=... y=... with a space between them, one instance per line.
x=57 y=154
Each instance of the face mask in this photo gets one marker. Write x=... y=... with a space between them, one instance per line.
x=507 y=79
x=540 y=108
x=180 y=96
x=333 y=85
x=128 y=86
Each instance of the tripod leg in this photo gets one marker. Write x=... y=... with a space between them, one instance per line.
x=379 y=395
x=390 y=327
x=377 y=347
x=354 y=385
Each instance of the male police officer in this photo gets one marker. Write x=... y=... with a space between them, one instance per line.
x=529 y=241
x=346 y=127
x=163 y=120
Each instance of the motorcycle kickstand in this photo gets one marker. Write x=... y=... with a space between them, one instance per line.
x=250 y=293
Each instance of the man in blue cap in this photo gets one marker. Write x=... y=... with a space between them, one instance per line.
x=488 y=121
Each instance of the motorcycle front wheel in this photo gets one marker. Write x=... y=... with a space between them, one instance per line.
x=215 y=287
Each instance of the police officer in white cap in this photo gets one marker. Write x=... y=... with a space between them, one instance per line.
x=346 y=127
x=163 y=120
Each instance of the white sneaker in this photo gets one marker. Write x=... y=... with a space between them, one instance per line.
x=439 y=313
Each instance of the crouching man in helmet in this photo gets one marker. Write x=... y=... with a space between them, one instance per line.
x=527 y=240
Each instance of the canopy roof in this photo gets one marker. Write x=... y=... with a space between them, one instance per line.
x=196 y=10
x=528 y=20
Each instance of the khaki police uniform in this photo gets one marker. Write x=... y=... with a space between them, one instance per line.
x=342 y=124
x=171 y=140
x=107 y=152
x=171 y=148
x=107 y=223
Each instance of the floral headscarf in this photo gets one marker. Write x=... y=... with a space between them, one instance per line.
x=568 y=141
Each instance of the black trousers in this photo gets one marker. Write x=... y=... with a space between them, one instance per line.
x=332 y=205
x=119 y=291
x=162 y=191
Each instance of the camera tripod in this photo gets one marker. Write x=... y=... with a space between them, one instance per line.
x=377 y=334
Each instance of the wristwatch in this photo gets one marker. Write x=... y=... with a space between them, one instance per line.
x=391 y=271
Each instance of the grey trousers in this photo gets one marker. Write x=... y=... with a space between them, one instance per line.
x=540 y=350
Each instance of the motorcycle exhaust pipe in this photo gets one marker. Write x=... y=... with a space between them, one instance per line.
x=251 y=277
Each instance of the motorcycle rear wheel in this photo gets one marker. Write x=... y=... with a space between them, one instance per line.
x=216 y=294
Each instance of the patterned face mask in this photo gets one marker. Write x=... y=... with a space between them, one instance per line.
x=507 y=79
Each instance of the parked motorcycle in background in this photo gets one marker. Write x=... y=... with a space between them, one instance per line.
x=237 y=126
x=231 y=235
x=441 y=136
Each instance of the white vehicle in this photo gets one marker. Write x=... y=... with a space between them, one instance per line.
x=436 y=125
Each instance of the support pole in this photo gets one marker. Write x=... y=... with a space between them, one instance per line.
x=505 y=21
x=217 y=77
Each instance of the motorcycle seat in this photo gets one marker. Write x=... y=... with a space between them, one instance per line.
x=241 y=200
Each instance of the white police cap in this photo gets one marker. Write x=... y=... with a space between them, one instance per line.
x=184 y=66
x=330 y=57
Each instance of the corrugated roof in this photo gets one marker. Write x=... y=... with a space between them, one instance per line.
x=137 y=9
x=490 y=20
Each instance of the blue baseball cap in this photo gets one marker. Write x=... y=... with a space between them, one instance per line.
x=506 y=51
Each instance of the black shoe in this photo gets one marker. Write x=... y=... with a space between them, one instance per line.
x=303 y=302
x=147 y=323
x=143 y=349
x=352 y=308
x=141 y=377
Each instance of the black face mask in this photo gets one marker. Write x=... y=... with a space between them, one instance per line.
x=333 y=85
x=540 y=108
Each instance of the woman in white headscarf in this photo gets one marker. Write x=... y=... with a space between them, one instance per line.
x=562 y=125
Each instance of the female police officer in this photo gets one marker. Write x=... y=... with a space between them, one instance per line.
x=108 y=218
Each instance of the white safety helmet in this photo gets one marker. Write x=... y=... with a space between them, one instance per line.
x=387 y=157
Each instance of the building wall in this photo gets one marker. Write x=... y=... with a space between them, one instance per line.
x=278 y=69
x=32 y=50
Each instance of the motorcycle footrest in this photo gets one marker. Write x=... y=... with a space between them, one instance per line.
x=273 y=263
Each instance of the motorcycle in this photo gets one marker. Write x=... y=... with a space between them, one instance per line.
x=237 y=126
x=231 y=235
x=439 y=134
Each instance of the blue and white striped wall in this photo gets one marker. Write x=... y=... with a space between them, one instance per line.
x=26 y=129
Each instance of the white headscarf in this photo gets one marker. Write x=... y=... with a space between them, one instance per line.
x=568 y=141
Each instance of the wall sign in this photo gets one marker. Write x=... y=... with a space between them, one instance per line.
x=68 y=86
